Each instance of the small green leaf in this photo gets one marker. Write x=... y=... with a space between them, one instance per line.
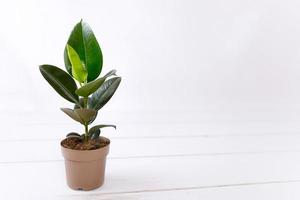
x=72 y=114
x=97 y=127
x=86 y=115
x=104 y=93
x=73 y=134
x=92 y=86
x=78 y=70
x=111 y=73
x=81 y=102
x=81 y=115
x=95 y=135
x=84 y=42
x=61 y=82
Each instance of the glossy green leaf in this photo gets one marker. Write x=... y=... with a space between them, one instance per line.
x=95 y=135
x=104 y=93
x=81 y=102
x=111 y=73
x=78 y=69
x=81 y=115
x=86 y=115
x=61 y=81
x=72 y=114
x=74 y=134
x=97 y=127
x=84 y=42
x=92 y=86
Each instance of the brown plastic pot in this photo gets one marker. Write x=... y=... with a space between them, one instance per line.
x=85 y=169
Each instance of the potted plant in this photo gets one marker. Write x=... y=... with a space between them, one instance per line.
x=84 y=154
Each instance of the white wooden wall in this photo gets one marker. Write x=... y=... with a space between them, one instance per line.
x=208 y=107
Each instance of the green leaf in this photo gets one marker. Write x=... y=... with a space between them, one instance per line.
x=81 y=102
x=72 y=114
x=74 y=134
x=104 y=93
x=97 y=127
x=86 y=115
x=84 y=42
x=61 y=81
x=78 y=70
x=111 y=73
x=91 y=87
x=95 y=135
x=81 y=115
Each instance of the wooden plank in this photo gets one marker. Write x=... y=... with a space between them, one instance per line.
x=47 y=150
x=274 y=191
x=33 y=180
x=31 y=126
x=145 y=129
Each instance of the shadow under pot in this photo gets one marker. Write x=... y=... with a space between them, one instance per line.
x=85 y=169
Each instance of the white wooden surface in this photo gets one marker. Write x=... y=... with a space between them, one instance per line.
x=159 y=158
x=222 y=76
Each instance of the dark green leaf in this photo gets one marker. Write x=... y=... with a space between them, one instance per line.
x=72 y=114
x=73 y=134
x=95 y=135
x=97 y=127
x=86 y=115
x=104 y=93
x=92 y=86
x=81 y=115
x=81 y=103
x=84 y=42
x=110 y=73
x=61 y=81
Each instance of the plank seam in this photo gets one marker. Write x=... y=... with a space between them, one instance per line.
x=163 y=156
x=190 y=188
x=170 y=136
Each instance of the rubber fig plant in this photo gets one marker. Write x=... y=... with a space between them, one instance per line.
x=81 y=84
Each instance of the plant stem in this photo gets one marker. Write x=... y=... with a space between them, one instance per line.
x=85 y=101
x=86 y=130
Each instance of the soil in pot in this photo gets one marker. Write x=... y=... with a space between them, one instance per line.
x=78 y=144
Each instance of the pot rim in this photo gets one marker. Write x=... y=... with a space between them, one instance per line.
x=86 y=150
x=85 y=155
